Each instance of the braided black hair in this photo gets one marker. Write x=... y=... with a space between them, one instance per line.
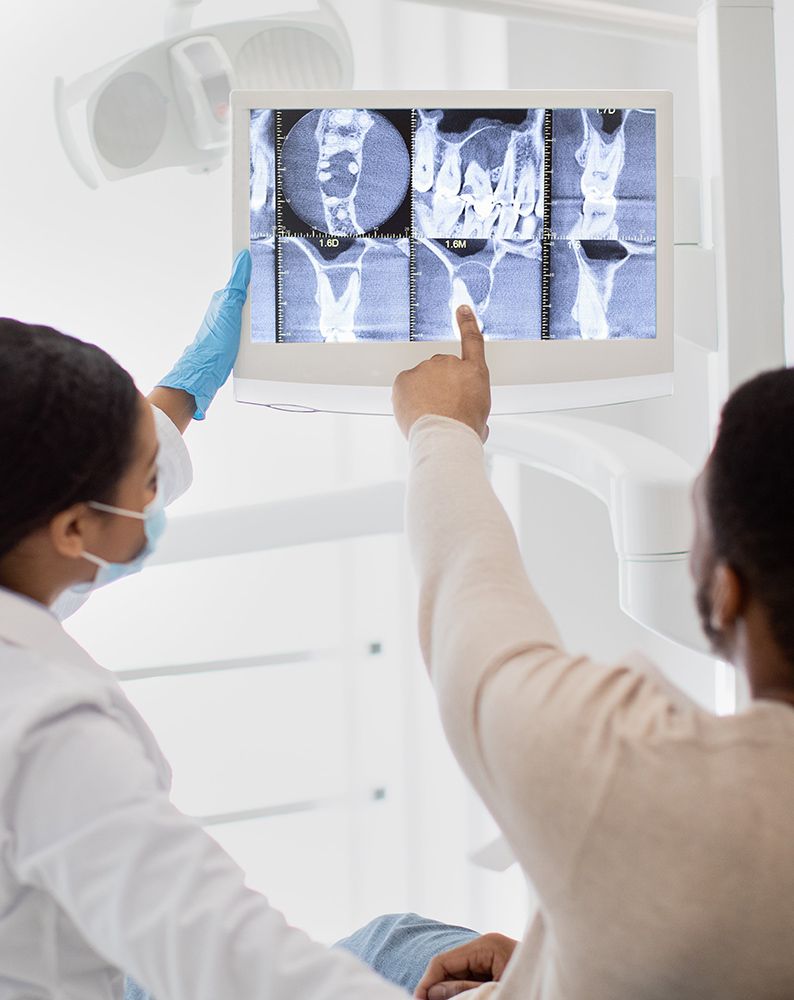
x=750 y=495
x=68 y=414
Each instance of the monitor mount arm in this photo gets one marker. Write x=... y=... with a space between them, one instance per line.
x=646 y=488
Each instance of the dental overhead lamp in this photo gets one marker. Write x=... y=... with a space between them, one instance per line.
x=168 y=105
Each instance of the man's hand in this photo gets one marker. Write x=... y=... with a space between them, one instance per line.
x=448 y=386
x=482 y=960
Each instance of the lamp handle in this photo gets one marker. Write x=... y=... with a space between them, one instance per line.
x=66 y=134
x=179 y=16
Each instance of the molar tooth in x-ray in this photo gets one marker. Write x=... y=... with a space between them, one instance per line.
x=519 y=183
x=508 y=220
x=602 y=159
x=345 y=170
x=445 y=212
x=476 y=226
x=446 y=203
x=598 y=218
x=528 y=191
x=477 y=190
x=506 y=184
x=337 y=311
x=500 y=147
x=499 y=279
x=527 y=227
x=344 y=290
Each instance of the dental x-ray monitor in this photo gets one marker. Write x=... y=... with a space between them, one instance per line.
x=371 y=216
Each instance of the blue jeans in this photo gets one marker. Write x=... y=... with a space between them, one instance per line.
x=398 y=946
x=132 y=991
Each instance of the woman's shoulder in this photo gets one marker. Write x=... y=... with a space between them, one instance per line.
x=35 y=686
x=39 y=694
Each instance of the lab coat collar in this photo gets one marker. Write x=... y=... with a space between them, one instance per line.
x=26 y=623
x=32 y=626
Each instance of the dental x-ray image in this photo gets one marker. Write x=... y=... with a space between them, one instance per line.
x=499 y=279
x=604 y=174
x=346 y=172
x=340 y=290
x=478 y=174
x=603 y=218
x=374 y=225
x=602 y=289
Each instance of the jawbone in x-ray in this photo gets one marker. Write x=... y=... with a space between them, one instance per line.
x=375 y=225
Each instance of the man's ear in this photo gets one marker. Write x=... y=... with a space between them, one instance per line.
x=67 y=530
x=727 y=597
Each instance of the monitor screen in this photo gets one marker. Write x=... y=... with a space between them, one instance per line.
x=374 y=224
x=372 y=215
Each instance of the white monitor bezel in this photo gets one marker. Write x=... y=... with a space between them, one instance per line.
x=528 y=375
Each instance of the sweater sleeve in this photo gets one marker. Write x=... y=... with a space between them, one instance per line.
x=538 y=731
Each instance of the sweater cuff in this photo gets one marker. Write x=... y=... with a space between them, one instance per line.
x=432 y=424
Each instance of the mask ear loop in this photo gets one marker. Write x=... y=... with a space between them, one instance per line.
x=116 y=510
x=98 y=560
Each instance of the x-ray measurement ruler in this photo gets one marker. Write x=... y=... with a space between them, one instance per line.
x=276 y=234
x=412 y=244
x=546 y=237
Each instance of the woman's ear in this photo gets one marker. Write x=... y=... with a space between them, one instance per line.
x=67 y=530
x=727 y=597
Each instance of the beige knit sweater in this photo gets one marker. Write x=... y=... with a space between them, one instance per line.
x=659 y=838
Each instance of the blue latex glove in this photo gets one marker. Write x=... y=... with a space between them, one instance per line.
x=206 y=363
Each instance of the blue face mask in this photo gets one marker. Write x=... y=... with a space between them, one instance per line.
x=153 y=516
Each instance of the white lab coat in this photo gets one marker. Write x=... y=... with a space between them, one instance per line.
x=99 y=874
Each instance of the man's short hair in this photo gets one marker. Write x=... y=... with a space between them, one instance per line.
x=750 y=495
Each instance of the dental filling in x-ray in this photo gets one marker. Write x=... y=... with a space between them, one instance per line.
x=375 y=225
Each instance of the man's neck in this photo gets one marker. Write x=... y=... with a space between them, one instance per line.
x=770 y=673
x=775 y=694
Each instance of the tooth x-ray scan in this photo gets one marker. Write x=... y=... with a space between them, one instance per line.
x=374 y=225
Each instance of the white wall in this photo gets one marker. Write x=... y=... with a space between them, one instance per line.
x=784 y=36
